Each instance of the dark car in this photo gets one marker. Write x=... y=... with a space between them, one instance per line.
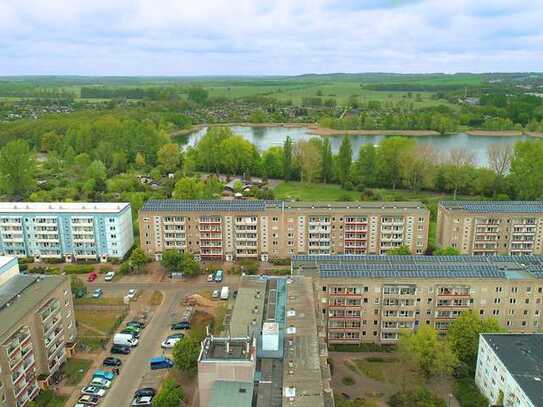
x=128 y=331
x=145 y=392
x=111 y=361
x=181 y=325
x=137 y=324
x=120 y=349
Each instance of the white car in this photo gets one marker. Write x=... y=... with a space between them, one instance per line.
x=142 y=401
x=132 y=293
x=109 y=276
x=209 y=278
x=87 y=400
x=93 y=391
x=171 y=340
x=100 y=382
x=216 y=294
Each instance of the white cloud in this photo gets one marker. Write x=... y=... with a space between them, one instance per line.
x=181 y=37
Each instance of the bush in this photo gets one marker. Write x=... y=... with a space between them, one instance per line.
x=467 y=393
x=124 y=268
x=363 y=347
x=280 y=272
x=44 y=270
x=421 y=397
x=280 y=262
x=78 y=268
x=104 y=269
x=347 y=381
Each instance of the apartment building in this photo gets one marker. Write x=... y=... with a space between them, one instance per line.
x=73 y=231
x=509 y=371
x=371 y=298
x=270 y=353
x=239 y=229
x=37 y=331
x=491 y=227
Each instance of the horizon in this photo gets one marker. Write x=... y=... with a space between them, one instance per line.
x=220 y=38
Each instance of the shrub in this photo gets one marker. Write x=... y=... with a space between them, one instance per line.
x=104 y=269
x=280 y=262
x=467 y=393
x=124 y=268
x=280 y=272
x=78 y=268
x=44 y=270
x=413 y=398
x=363 y=347
x=347 y=380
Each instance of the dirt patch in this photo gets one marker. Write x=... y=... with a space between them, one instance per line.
x=197 y=300
x=494 y=133
x=321 y=131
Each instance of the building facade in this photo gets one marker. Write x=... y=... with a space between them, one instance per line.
x=490 y=228
x=228 y=230
x=37 y=331
x=371 y=298
x=509 y=371
x=73 y=231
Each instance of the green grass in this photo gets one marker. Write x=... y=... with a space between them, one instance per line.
x=314 y=192
x=99 y=301
x=75 y=369
x=105 y=321
x=90 y=344
x=48 y=398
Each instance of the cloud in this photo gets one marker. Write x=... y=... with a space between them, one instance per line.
x=181 y=37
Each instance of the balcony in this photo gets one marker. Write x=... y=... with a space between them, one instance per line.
x=49 y=340
x=453 y=292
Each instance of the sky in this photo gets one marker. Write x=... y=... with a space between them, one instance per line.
x=266 y=37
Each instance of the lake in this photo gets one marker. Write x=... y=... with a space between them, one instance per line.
x=266 y=137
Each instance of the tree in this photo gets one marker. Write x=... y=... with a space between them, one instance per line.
x=198 y=94
x=188 y=188
x=421 y=397
x=527 y=169
x=327 y=161
x=345 y=157
x=287 y=159
x=185 y=354
x=308 y=157
x=389 y=159
x=446 y=251
x=458 y=170
x=17 y=169
x=139 y=160
x=169 y=156
x=171 y=260
x=189 y=265
x=463 y=335
x=208 y=151
x=417 y=166
x=169 y=395
x=76 y=284
x=399 y=251
x=238 y=156
x=366 y=166
x=499 y=161
x=97 y=173
x=429 y=354
x=272 y=162
x=138 y=259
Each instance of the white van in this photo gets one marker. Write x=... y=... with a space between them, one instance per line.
x=125 y=340
x=225 y=293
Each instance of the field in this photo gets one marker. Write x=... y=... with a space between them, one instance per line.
x=97 y=323
x=75 y=369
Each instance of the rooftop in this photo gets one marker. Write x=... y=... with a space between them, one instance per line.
x=172 y=205
x=226 y=349
x=249 y=305
x=231 y=394
x=368 y=266
x=495 y=206
x=63 y=207
x=522 y=355
x=21 y=295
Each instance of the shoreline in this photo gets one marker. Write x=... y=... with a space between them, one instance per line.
x=315 y=130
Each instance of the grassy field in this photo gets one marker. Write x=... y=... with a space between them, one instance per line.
x=104 y=321
x=75 y=369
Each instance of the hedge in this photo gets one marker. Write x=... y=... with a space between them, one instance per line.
x=78 y=268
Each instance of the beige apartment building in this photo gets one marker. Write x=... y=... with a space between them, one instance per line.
x=37 y=331
x=491 y=227
x=371 y=298
x=256 y=229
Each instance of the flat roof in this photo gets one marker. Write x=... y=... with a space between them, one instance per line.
x=226 y=349
x=24 y=293
x=248 y=307
x=373 y=266
x=238 y=205
x=522 y=355
x=231 y=394
x=495 y=206
x=63 y=207
x=5 y=260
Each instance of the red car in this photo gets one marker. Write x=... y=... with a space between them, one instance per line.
x=92 y=276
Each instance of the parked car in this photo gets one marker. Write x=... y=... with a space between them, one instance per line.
x=161 y=362
x=181 y=325
x=137 y=324
x=132 y=328
x=104 y=374
x=87 y=400
x=81 y=292
x=100 y=382
x=120 y=349
x=216 y=294
x=142 y=401
x=93 y=391
x=132 y=293
x=171 y=340
x=210 y=278
x=92 y=276
x=235 y=293
x=129 y=332
x=97 y=293
x=112 y=362
x=109 y=276
x=125 y=339
x=146 y=391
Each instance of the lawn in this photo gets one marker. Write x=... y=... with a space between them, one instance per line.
x=48 y=398
x=385 y=370
x=105 y=321
x=302 y=191
x=75 y=369
x=99 y=301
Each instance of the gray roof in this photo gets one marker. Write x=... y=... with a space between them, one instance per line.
x=372 y=266
x=26 y=292
x=495 y=206
x=522 y=355
x=231 y=394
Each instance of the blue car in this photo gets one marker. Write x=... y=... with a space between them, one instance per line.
x=161 y=362
x=104 y=374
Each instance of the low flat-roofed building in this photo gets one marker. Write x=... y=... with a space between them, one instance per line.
x=372 y=298
x=491 y=227
x=231 y=394
x=510 y=369
x=37 y=331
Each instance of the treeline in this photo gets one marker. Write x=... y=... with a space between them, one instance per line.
x=416 y=87
x=22 y=90
x=151 y=93
x=397 y=162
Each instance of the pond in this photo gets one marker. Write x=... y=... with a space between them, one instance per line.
x=266 y=137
